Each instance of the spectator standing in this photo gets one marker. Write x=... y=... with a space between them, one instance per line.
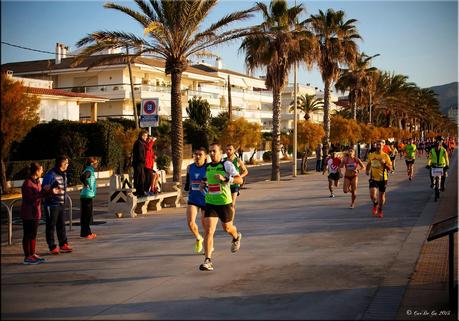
x=54 y=203
x=138 y=163
x=150 y=174
x=32 y=194
x=319 y=153
x=87 y=195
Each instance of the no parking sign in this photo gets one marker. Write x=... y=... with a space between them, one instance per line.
x=149 y=113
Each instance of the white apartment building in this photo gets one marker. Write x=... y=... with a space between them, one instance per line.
x=57 y=104
x=110 y=81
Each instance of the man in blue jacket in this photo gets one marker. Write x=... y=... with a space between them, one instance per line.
x=54 y=206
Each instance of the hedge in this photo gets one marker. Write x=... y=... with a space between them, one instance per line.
x=76 y=140
x=19 y=170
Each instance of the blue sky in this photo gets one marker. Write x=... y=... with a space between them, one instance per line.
x=415 y=38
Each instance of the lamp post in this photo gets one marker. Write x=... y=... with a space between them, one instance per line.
x=295 y=127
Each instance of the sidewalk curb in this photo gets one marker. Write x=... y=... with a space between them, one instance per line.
x=389 y=295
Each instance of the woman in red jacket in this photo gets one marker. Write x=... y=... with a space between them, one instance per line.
x=32 y=193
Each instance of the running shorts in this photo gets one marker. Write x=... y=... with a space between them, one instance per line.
x=202 y=207
x=380 y=185
x=223 y=212
x=334 y=176
x=408 y=162
x=235 y=189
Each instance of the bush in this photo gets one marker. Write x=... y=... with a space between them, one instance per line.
x=78 y=140
x=267 y=156
x=19 y=170
x=163 y=162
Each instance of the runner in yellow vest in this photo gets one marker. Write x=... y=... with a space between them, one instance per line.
x=438 y=157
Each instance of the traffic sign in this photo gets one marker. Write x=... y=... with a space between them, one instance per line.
x=149 y=113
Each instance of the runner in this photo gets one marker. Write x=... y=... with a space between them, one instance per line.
x=393 y=155
x=240 y=167
x=451 y=146
x=438 y=157
x=401 y=149
x=332 y=164
x=351 y=178
x=410 y=157
x=219 y=176
x=378 y=165
x=196 y=197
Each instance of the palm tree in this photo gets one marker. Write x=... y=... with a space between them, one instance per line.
x=307 y=104
x=173 y=30
x=277 y=44
x=335 y=39
x=356 y=79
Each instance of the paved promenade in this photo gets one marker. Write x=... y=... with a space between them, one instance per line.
x=303 y=256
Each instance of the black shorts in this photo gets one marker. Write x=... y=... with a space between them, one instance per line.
x=334 y=176
x=202 y=207
x=235 y=189
x=381 y=185
x=408 y=162
x=223 y=212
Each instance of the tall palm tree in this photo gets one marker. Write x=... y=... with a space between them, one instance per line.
x=355 y=79
x=173 y=33
x=336 y=40
x=277 y=44
x=307 y=104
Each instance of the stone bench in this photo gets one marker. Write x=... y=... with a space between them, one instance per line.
x=122 y=199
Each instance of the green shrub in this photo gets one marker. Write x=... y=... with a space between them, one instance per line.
x=163 y=162
x=267 y=156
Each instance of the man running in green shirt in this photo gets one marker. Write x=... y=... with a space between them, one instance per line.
x=410 y=156
x=219 y=176
x=240 y=167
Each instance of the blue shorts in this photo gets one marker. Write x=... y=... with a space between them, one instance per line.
x=235 y=189
x=202 y=207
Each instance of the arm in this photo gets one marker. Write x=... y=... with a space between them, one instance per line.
x=244 y=171
x=368 y=167
x=362 y=166
x=232 y=175
x=84 y=178
x=388 y=163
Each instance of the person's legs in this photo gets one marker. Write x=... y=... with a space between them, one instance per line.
x=346 y=185
x=154 y=181
x=211 y=225
x=330 y=186
x=354 y=184
x=60 y=226
x=148 y=179
x=27 y=226
x=85 y=216
x=139 y=180
x=442 y=182
x=51 y=214
x=191 y=212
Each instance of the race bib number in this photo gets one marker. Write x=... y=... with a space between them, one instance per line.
x=351 y=166
x=437 y=172
x=214 y=189
x=195 y=185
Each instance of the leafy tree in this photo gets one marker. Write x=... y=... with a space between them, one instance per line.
x=335 y=39
x=278 y=43
x=174 y=34
x=307 y=104
x=309 y=136
x=19 y=113
x=198 y=129
x=344 y=131
x=242 y=134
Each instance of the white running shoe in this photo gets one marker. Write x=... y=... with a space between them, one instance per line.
x=236 y=244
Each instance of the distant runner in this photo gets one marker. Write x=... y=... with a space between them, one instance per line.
x=378 y=165
x=240 y=167
x=332 y=164
x=410 y=157
x=352 y=167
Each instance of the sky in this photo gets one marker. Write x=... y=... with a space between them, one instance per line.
x=418 y=39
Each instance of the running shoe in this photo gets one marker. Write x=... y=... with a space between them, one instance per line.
x=236 y=244
x=66 y=248
x=198 y=245
x=54 y=251
x=375 y=210
x=39 y=258
x=31 y=261
x=380 y=213
x=409 y=178
x=351 y=206
x=332 y=195
x=207 y=265
x=90 y=236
